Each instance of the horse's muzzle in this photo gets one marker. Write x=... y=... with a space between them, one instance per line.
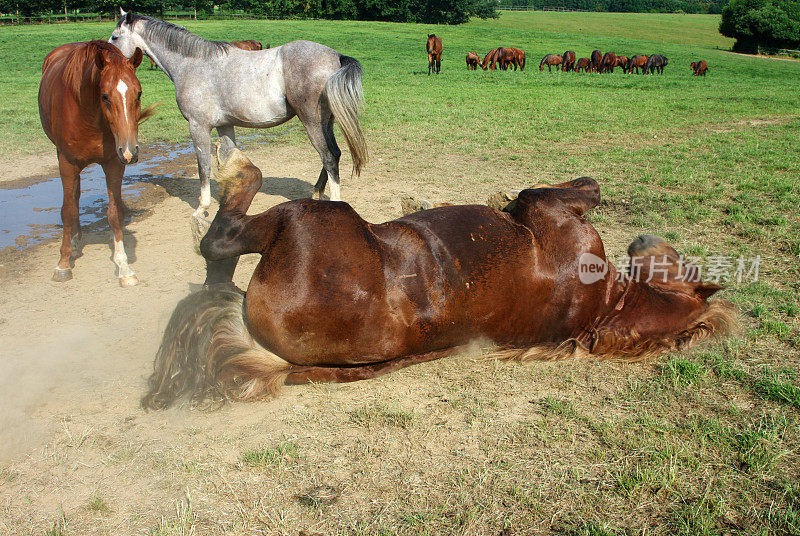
x=126 y=156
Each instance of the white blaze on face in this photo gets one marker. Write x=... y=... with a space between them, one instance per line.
x=122 y=87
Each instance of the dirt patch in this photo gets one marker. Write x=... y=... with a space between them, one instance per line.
x=422 y=447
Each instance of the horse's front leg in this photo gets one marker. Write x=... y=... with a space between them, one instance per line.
x=114 y=171
x=201 y=137
x=71 y=184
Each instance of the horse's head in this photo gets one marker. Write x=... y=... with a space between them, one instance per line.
x=120 y=99
x=665 y=305
x=124 y=36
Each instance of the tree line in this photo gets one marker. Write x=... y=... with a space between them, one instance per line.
x=423 y=11
x=624 y=6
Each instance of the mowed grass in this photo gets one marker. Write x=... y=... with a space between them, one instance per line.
x=704 y=442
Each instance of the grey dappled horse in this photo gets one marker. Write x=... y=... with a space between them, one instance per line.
x=220 y=86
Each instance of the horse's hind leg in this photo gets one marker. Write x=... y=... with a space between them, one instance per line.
x=70 y=182
x=116 y=219
x=324 y=141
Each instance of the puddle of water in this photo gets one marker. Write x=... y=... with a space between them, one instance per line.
x=32 y=213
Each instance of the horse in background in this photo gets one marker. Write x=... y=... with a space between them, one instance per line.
x=550 y=60
x=584 y=64
x=699 y=68
x=489 y=60
x=249 y=44
x=656 y=64
x=518 y=57
x=416 y=289
x=90 y=108
x=597 y=60
x=434 y=48
x=568 y=63
x=608 y=62
x=622 y=61
x=637 y=62
x=473 y=60
x=259 y=89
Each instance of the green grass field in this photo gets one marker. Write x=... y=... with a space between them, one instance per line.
x=706 y=444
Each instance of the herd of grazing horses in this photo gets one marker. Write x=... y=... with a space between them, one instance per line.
x=335 y=298
x=507 y=57
x=605 y=63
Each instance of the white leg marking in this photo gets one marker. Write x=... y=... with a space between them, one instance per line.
x=205 y=196
x=121 y=260
x=335 y=194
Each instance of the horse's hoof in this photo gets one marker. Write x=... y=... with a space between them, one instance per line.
x=200 y=226
x=316 y=196
x=61 y=275
x=128 y=281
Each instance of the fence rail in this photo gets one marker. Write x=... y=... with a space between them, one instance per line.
x=535 y=8
x=56 y=18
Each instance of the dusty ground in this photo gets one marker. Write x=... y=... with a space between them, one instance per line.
x=79 y=456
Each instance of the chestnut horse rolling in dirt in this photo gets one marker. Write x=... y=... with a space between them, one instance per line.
x=434 y=48
x=90 y=107
x=533 y=280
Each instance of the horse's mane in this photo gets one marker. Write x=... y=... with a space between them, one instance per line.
x=178 y=39
x=79 y=63
x=717 y=321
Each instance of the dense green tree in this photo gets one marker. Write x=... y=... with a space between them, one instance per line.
x=766 y=23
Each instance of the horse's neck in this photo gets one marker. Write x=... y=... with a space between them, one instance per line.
x=172 y=63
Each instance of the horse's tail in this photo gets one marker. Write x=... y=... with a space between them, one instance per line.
x=345 y=97
x=207 y=353
x=522 y=64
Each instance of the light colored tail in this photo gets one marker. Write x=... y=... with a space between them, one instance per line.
x=207 y=354
x=345 y=97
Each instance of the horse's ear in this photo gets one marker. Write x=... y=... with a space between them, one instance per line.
x=136 y=59
x=129 y=18
x=122 y=12
x=100 y=60
x=706 y=290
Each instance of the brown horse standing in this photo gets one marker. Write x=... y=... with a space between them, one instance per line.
x=597 y=60
x=699 y=68
x=608 y=63
x=533 y=278
x=434 y=48
x=568 y=63
x=90 y=107
x=583 y=64
x=490 y=60
x=622 y=61
x=473 y=60
x=249 y=44
x=518 y=57
x=637 y=62
x=550 y=60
